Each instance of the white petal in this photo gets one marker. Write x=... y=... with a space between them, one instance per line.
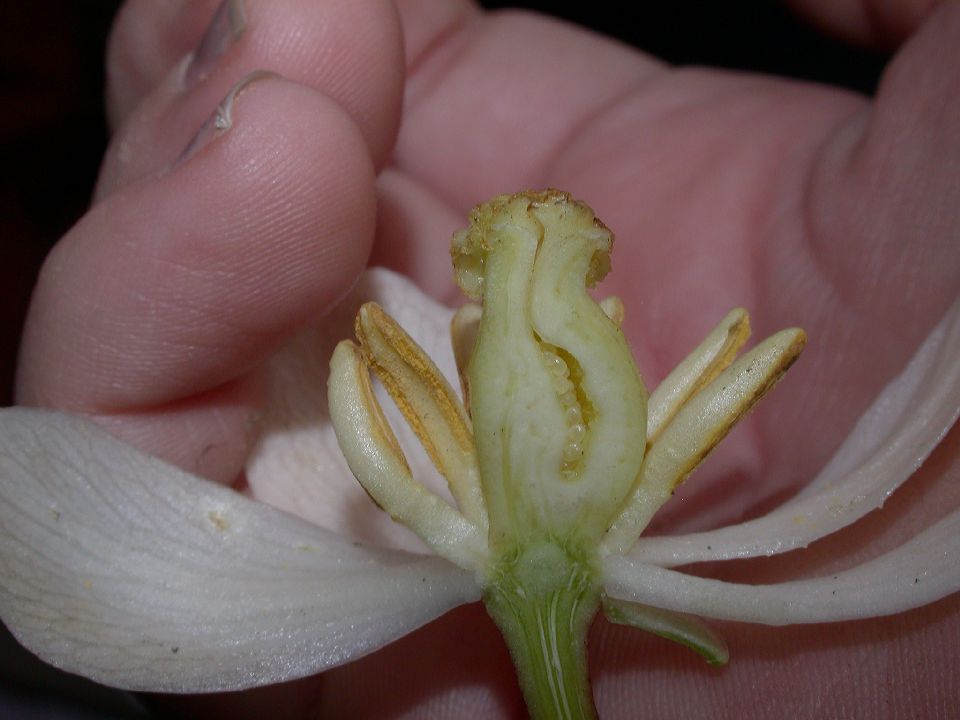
x=919 y=572
x=297 y=464
x=126 y=570
x=904 y=424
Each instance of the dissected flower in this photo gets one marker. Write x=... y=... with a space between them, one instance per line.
x=530 y=492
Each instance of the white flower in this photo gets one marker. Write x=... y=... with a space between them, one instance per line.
x=119 y=567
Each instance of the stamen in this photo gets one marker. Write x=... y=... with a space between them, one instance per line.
x=376 y=460
x=463 y=336
x=428 y=403
x=709 y=359
x=700 y=424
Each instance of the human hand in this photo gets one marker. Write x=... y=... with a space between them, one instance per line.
x=809 y=205
x=808 y=218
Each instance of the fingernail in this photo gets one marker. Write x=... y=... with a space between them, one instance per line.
x=221 y=120
x=228 y=24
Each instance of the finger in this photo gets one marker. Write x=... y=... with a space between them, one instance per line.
x=350 y=51
x=876 y=264
x=414 y=228
x=147 y=39
x=878 y=23
x=883 y=194
x=181 y=284
x=492 y=99
x=427 y=23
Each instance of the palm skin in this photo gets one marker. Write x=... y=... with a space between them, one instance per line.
x=808 y=205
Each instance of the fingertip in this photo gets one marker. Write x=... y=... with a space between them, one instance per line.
x=302 y=205
x=147 y=38
x=352 y=51
x=169 y=61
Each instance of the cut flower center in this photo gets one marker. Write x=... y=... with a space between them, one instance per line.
x=553 y=456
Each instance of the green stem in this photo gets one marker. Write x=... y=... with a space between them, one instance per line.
x=543 y=600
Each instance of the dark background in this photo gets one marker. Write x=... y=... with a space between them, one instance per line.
x=53 y=133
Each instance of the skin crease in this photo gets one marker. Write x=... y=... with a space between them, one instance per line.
x=807 y=205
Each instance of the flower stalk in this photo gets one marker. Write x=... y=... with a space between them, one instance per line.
x=543 y=599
